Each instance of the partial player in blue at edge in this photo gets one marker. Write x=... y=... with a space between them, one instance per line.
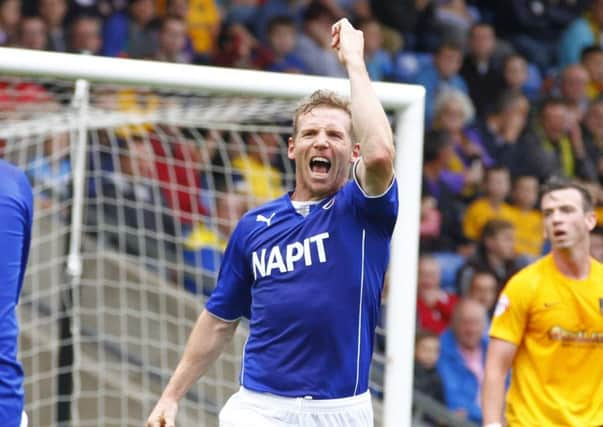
x=307 y=270
x=16 y=217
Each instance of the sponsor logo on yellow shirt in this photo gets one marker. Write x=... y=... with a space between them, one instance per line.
x=557 y=333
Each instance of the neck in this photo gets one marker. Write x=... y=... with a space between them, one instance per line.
x=573 y=263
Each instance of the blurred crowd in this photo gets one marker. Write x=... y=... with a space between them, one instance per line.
x=513 y=97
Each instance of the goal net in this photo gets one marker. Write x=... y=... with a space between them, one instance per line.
x=136 y=192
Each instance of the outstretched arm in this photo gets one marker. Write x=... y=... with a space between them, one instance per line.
x=203 y=347
x=369 y=122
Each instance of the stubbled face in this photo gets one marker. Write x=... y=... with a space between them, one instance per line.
x=566 y=224
x=428 y=351
x=323 y=152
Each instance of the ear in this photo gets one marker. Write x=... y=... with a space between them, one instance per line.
x=355 y=153
x=291 y=148
x=591 y=220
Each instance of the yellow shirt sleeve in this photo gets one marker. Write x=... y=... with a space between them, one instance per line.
x=512 y=310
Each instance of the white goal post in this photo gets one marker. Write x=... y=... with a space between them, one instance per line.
x=405 y=104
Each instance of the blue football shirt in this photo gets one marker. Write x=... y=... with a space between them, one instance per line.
x=311 y=288
x=16 y=216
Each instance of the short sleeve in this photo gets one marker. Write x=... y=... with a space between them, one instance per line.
x=383 y=207
x=512 y=310
x=231 y=299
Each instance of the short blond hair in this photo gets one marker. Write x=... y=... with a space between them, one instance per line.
x=320 y=98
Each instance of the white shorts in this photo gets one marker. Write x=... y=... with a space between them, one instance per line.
x=248 y=408
x=24 y=419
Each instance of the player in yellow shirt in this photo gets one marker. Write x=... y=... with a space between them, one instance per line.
x=548 y=326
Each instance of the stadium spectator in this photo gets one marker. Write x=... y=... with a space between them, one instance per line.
x=426 y=377
x=553 y=145
x=431 y=223
x=256 y=163
x=53 y=14
x=378 y=60
x=483 y=288
x=455 y=18
x=203 y=19
x=526 y=219
x=16 y=217
x=462 y=359
x=177 y=165
x=32 y=33
x=492 y=204
x=592 y=134
x=533 y=27
x=50 y=171
x=495 y=253
x=263 y=12
x=10 y=15
x=573 y=84
x=282 y=39
x=515 y=77
x=500 y=130
x=592 y=60
x=131 y=33
x=547 y=323
x=171 y=41
x=131 y=197
x=239 y=48
x=434 y=305
x=453 y=113
x=582 y=32
x=413 y=19
x=480 y=71
x=444 y=186
x=85 y=35
x=204 y=246
x=314 y=43
x=442 y=74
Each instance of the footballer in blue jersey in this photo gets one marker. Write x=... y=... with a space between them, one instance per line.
x=310 y=286
x=307 y=270
x=16 y=217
